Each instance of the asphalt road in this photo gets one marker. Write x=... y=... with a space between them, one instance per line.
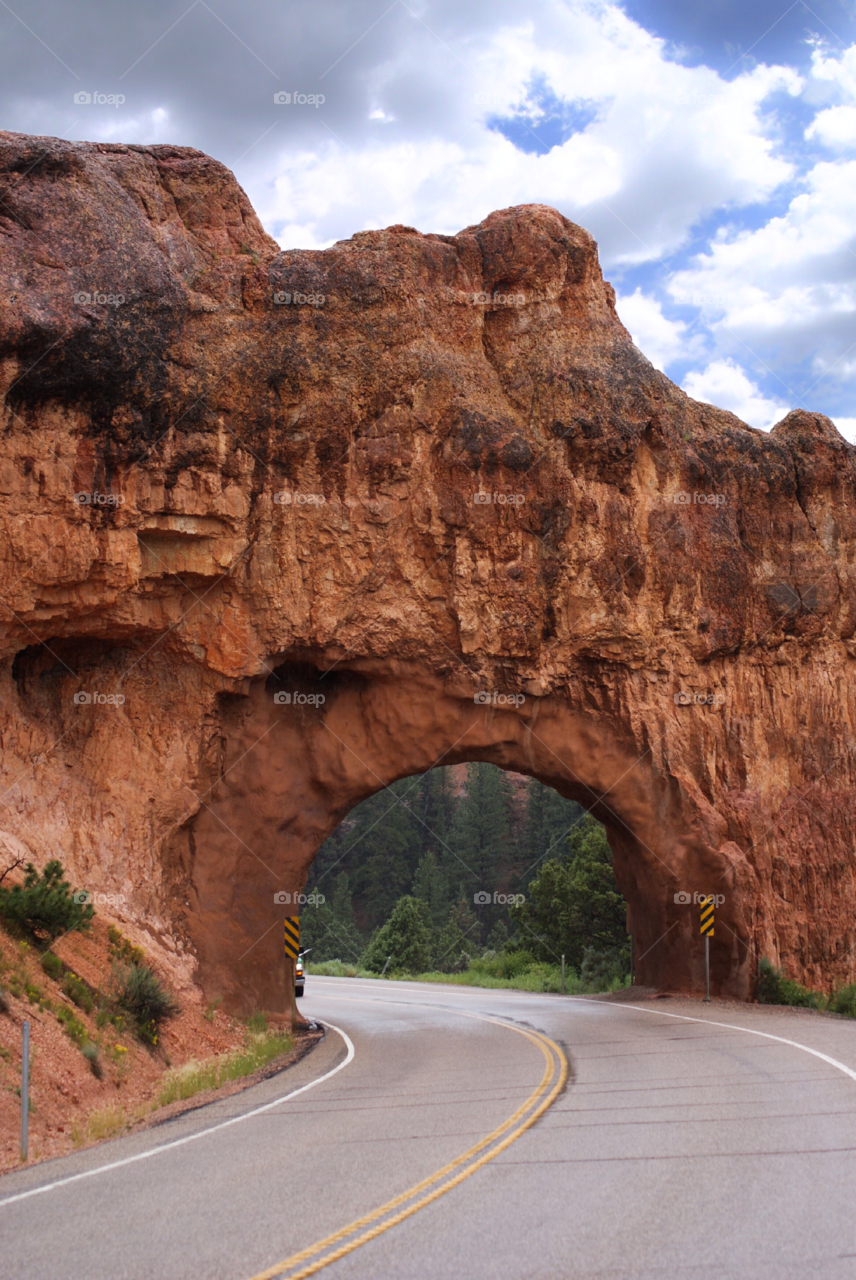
x=447 y=1143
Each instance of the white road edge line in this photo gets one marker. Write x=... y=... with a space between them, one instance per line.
x=731 y=1026
x=191 y=1137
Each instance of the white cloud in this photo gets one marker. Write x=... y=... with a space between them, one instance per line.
x=787 y=290
x=660 y=339
x=789 y=286
x=668 y=144
x=725 y=384
x=847 y=427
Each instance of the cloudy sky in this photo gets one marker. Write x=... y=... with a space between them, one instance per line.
x=709 y=145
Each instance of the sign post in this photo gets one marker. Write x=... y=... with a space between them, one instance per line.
x=706 y=928
x=292 y=950
x=25 y=1088
x=629 y=929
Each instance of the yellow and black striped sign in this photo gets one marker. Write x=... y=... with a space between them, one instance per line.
x=292 y=936
x=707 y=917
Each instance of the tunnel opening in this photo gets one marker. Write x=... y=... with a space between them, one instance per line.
x=471 y=870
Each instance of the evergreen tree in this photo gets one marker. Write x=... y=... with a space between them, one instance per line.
x=429 y=886
x=330 y=930
x=573 y=904
x=405 y=939
x=481 y=835
x=547 y=824
x=458 y=941
x=383 y=851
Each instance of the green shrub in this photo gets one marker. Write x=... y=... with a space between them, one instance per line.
x=122 y=949
x=140 y=994
x=44 y=906
x=90 y=1053
x=78 y=991
x=257 y=1023
x=773 y=988
x=72 y=1025
x=604 y=970
x=53 y=966
x=844 y=1001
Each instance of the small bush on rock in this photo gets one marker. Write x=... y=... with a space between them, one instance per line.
x=140 y=994
x=773 y=988
x=844 y=1001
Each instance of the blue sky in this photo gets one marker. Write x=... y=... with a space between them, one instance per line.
x=710 y=147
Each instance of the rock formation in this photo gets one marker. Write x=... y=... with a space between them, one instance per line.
x=281 y=527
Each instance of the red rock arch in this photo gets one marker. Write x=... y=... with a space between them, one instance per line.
x=456 y=473
x=291 y=772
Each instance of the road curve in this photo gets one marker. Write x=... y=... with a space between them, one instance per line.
x=690 y=1140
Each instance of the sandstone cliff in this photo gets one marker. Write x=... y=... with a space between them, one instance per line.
x=280 y=527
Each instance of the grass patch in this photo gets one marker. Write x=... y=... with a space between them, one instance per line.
x=338 y=969
x=509 y=971
x=197 y=1077
x=105 y=1123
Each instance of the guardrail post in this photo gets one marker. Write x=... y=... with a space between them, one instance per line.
x=25 y=1088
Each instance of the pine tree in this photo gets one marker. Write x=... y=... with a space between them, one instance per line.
x=458 y=941
x=573 y=904
x=429 y=886
x=481 y=830
x=405 y=939
x=330 y=930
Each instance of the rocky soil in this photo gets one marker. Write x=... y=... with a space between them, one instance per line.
x=71 y=1105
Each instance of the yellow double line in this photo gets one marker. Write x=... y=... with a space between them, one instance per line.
x=429 y=1189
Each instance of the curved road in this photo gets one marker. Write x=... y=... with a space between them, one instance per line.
x=435 y=1135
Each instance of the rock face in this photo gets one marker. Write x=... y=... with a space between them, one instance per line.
x=281 y=527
